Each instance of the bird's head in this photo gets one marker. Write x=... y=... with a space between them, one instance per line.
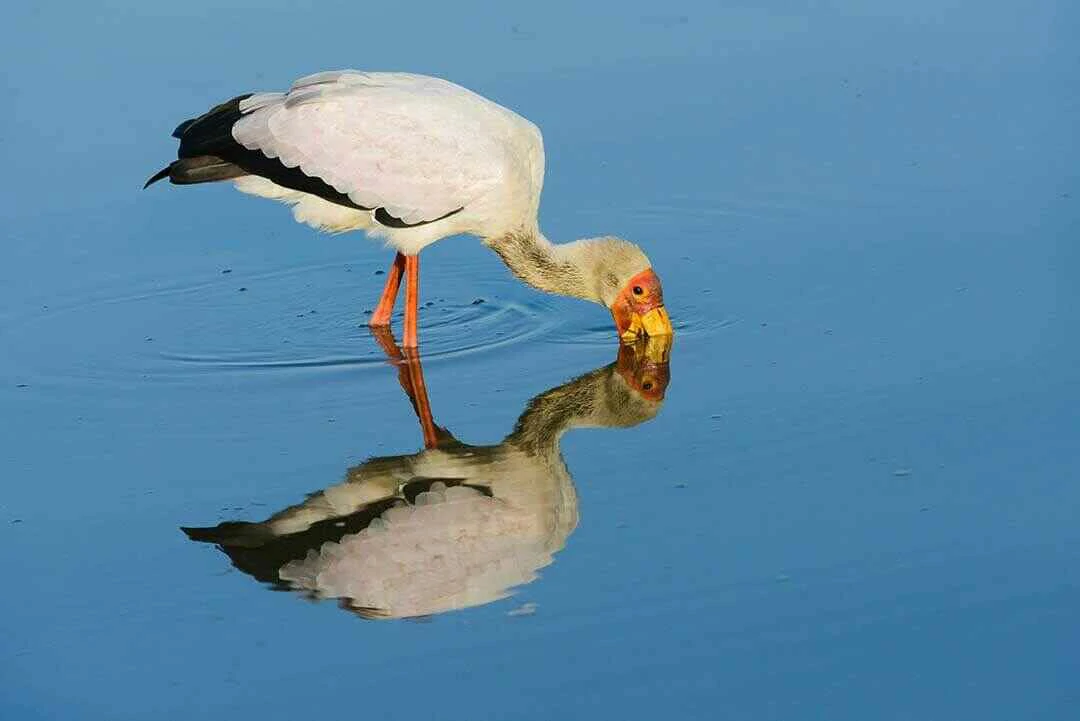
x=629 y=288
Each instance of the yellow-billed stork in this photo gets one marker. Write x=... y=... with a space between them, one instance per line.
x=412 y=159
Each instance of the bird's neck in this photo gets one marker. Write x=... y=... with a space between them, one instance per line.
x=563 y=268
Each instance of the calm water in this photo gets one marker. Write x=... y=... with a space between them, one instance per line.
x=851 y=495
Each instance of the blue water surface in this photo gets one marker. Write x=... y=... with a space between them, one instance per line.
x=858 y=499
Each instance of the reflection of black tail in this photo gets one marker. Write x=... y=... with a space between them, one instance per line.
x=233 y=533
x=257 y=551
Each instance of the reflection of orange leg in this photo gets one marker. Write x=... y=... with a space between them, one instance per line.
x=411 y=378
x=385 y=338
x=419 y=398
x=385 y=308
x=412 y=298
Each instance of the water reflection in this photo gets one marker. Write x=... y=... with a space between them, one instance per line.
x=453 y=525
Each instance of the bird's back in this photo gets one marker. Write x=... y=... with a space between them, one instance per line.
x=394 y=152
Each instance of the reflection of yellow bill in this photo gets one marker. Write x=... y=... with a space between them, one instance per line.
x=653 y=324
x=657 y=349
x=643 y=364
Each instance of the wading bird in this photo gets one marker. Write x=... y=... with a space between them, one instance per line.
x=454 y=525
x=412 y=159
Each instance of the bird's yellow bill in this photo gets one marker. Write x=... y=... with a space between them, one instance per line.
x=653 y=323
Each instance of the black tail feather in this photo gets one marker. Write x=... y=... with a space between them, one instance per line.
x=211 y=132
x=202 y=141
x=159 y=175
x=203 y=169
x=182 y=128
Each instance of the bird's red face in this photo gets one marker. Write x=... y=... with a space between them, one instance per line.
x=639 y=308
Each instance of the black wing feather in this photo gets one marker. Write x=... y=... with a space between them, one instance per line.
x=210 y=134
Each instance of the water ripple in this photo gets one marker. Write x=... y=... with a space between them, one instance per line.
x=297 y=319
x=446 y=330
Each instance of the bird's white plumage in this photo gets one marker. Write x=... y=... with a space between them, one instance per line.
x=307 y=208
x=417 y=146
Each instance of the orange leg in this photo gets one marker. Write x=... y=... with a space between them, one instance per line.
x=412 y=299
x=385 y=308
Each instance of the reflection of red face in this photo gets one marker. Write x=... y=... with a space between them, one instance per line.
x=644 y=366
x=639 y=307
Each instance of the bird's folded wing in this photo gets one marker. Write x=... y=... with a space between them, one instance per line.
x=418 y=147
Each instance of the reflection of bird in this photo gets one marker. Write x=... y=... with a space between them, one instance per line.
x=412 y=159
x=453 y=525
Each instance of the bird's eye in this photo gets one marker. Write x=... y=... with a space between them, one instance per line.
x=647 y=385
x=638 y=290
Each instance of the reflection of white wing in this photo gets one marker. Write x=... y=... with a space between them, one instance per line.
x=455 y=548
x=417 y=146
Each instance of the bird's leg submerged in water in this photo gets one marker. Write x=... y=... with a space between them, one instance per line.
x=385 y=308
x=411 y=378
